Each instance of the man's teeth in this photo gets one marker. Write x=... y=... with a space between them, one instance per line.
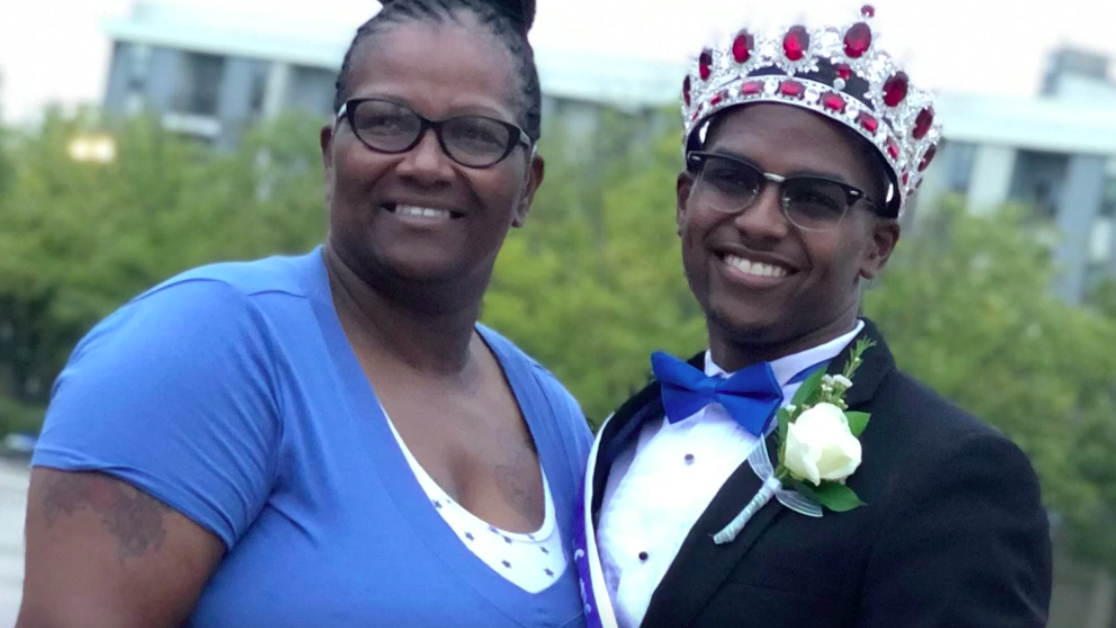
x=755 y=268
x=425 y=212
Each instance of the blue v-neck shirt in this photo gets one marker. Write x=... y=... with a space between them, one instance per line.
x=232 y=394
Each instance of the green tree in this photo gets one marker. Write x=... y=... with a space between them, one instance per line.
x=967 y=308
x=80 y=238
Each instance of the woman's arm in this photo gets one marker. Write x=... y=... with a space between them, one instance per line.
x=158 y=452
x=101 y=553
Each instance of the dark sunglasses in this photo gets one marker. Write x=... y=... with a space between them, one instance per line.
x=732 y=185
x=473 y=141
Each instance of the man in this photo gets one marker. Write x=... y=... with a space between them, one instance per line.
x=802 y=149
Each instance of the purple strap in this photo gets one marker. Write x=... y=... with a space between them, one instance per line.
x=581 y=561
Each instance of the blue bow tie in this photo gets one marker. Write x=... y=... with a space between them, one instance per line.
x=751 y=396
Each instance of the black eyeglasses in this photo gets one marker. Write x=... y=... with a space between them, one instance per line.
x=732 y=185
x=473 y=141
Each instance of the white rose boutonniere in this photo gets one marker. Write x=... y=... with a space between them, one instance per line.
x=818 y=450
x=818 y=438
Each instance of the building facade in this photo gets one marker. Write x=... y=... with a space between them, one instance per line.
x=211 y=76
x=1054 y=154
x=208 y=77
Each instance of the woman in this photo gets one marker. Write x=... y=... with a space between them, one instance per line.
x=333 y=440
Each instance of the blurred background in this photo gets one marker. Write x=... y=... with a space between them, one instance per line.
x=138 y=139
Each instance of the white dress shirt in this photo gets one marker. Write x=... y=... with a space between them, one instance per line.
x=659 y=488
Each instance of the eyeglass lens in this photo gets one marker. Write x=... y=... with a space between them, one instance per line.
x=469 y=140
x=727 y=185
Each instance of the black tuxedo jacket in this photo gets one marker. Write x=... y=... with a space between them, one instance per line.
x=953 y=534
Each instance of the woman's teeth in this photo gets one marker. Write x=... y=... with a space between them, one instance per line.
x=425 y=212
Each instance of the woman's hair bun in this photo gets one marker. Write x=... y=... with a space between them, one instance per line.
x=520 y=12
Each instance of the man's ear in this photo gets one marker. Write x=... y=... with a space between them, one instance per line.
x=325 y=141
x=536 y=170
x=682 y=198
x=885 y=235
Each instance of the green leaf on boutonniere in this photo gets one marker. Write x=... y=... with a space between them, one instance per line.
x=783 y=417
x=802 y=488
x=808 y=388
x=837 y=497
x=857 y=422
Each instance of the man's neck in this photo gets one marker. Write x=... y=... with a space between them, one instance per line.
x=733 y=350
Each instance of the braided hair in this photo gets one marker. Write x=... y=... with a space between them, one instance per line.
x=508 y=20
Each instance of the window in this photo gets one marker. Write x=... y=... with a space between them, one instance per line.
x=139 y=58
x=1108 y=200
x=200 y=84
x=959 y=165
x=257 y=91
x=1038 y=181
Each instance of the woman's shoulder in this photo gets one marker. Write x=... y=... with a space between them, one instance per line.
x=200 y=313
x=284 y=274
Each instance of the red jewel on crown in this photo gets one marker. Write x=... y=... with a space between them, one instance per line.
x=751 y=88
x=868 y=10
x=895 y=89
x=892 y=148
x=705 y=64
x=922 y=123
x=742 y=46
x=858 y=39
x=927 y=158
x=868 y=122
x=796 y=42
x=844 y=71
x=833 y=102
x=793 y=89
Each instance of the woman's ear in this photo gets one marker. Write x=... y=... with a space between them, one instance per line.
x=325 y=141
x=536 y=170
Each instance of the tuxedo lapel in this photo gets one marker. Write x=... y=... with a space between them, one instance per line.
x=701 y=566
x=877 y=364
x=623 y=428
x=618 y=434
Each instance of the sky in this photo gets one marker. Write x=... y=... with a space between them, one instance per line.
x=56 y=51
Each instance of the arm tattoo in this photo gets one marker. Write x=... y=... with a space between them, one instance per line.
x=132 y=516
x=515 y=476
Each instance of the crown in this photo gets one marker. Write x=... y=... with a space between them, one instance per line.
x=840 y=73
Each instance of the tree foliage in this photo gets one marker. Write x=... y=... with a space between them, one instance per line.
x=967 y=309
x=79 y=239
